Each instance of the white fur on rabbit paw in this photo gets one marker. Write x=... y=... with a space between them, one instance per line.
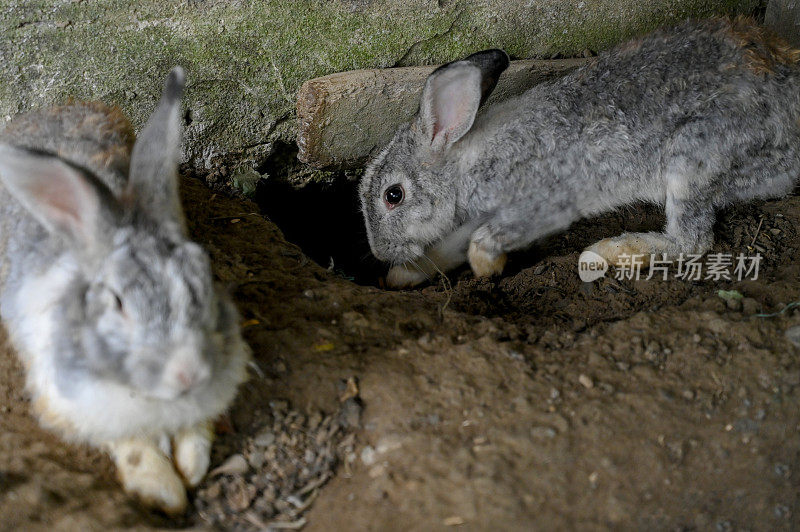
x=404 y=276
x=484 y=263
x=147 y=474
x=192 y=450
x=618 y=251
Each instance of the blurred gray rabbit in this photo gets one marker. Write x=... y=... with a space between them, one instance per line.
x=693 y=118
x=127 y=343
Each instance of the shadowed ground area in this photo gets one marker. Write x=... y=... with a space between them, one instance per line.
x=530 y=400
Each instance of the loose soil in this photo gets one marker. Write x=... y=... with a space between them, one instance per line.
x=530 y=401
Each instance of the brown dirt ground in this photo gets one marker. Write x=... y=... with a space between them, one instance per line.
x=475 y=416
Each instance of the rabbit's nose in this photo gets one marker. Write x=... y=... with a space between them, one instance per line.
x=186 y=370
x=189 y=377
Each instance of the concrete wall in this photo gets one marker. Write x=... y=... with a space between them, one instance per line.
x=783 y=16
x=247 y=59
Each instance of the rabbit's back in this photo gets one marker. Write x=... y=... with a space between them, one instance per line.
x=728 y=89
x=684 y=71
x=89 y=135
x=723 y=88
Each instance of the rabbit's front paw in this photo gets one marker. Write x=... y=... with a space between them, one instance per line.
x=146 y=472
x=192 y=450
x=404 y=276
x=483 y=262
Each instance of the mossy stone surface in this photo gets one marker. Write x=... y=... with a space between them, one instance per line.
x=246 y=59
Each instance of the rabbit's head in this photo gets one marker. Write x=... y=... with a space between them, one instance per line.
x=409 y=191
x=144 y=312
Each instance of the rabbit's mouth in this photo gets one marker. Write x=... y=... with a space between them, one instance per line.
x=401 y=254
x=168 y=394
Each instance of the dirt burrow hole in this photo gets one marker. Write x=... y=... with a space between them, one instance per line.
x=323 y=217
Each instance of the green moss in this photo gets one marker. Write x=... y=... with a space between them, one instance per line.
x=247 y=59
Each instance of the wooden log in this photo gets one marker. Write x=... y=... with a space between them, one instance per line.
x=345 y=118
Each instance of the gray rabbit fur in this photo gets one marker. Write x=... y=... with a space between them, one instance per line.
x=127 y=343
x=693 y=118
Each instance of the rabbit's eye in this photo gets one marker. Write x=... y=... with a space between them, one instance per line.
x=393 y=196
x=109 y=300
x=115 y=301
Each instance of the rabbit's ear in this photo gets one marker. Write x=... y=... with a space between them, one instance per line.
x=154 y=162
x=453 y=93
x=64 y=198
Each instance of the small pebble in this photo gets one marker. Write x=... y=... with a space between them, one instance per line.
x=543 y=433
x=368 y=455
x=256 y=460
x=782 y=470
x=606 y=387
x=265 y=438
x=309 y=456
x=586 y=381
x=454 y=520
x=234 y=465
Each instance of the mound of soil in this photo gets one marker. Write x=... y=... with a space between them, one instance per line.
x=528 y=401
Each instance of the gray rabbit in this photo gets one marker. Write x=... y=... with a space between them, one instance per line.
x=127 y=343
x=693 y=118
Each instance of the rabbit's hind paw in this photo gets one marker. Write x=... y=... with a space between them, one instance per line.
x=630 y=248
